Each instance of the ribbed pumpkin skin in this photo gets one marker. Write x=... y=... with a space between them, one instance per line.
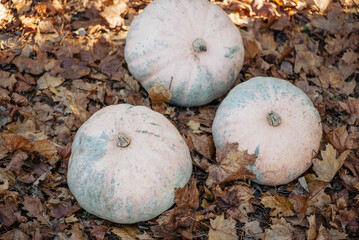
x=285 y=151
x=131 y=184
x=159 y=50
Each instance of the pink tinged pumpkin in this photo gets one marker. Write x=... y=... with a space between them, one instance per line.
x=126 y=162
x=189 y=46
x=274 y=120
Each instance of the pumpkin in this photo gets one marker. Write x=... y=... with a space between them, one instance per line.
x=189 y=46
x=126 y=162
x=274 y=120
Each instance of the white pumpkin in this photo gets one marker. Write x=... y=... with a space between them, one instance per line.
x=126 y=162
x=274 y=120
x=189 y=46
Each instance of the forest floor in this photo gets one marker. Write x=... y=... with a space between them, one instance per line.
x=61 y=61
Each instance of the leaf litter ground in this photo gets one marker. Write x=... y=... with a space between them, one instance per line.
x=57 y=69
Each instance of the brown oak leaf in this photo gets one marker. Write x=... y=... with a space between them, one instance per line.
x=35 y=208
x=280 y=229
x=235 y=201
x=232 y=165
x=203 y=144
x=330 y=165
x=46 y=149
x=12 y=142
x=222 y=229
x=279 y=206
x=63 y=208
x=17 y=161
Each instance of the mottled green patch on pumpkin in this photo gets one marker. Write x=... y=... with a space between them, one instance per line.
x=232 y=51
x=259 y=175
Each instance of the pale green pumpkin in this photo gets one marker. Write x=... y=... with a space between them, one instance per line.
x=274 y=120
x=189 y=46
x=126 y=162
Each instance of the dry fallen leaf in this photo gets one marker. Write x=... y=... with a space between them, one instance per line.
x=322 y=4
x=5 y=14
x=77 y=232
x=159 y=95
x=222 y=229
x=187 y=197
x=145 y=236
x=318 y=198
x=133 y=83
x=203 y=144
x=311 y=233
x=194 y=126
x=232 y=165
x=236 y=201
x=279 y=206
x=7 y=81
x=35 y=208
x=46 y=81
x=253 y=229
x=17 y=161
x=330 y=76
x=179 y=221
x=112 y=14
x=300 y=205
x=14 y=234
x=333 y=234
x=11 y=143
x=280 y=230
x=306 y=59
x=330 y=165
x=126 y=232
x=338 y=137
x=349 y=219
x=47 y=149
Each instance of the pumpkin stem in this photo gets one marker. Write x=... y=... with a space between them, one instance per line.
x=123 y=140
x=199 y=45
x=274 y=119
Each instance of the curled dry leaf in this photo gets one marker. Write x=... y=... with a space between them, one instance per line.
x=127 y=232
x=311 y=233
x=112 y=14
x=179 y=221
x=349 y=219
x=235 y=201
x=194 y=126
x=17 y=161
x=232 y=165
x=322 y=4
x=279 y=206
x=203 y=144
x=338 y=137
x=222 y=229
x=9 y=208
x=133 y=83
x=7 y=81
x=187 y=197
x=46 y=81
x=12 y=142
x=300 y=205
x=333 y=234
x=330 y=165
x=46 y=149
x=159 y=95
x=35 y=208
